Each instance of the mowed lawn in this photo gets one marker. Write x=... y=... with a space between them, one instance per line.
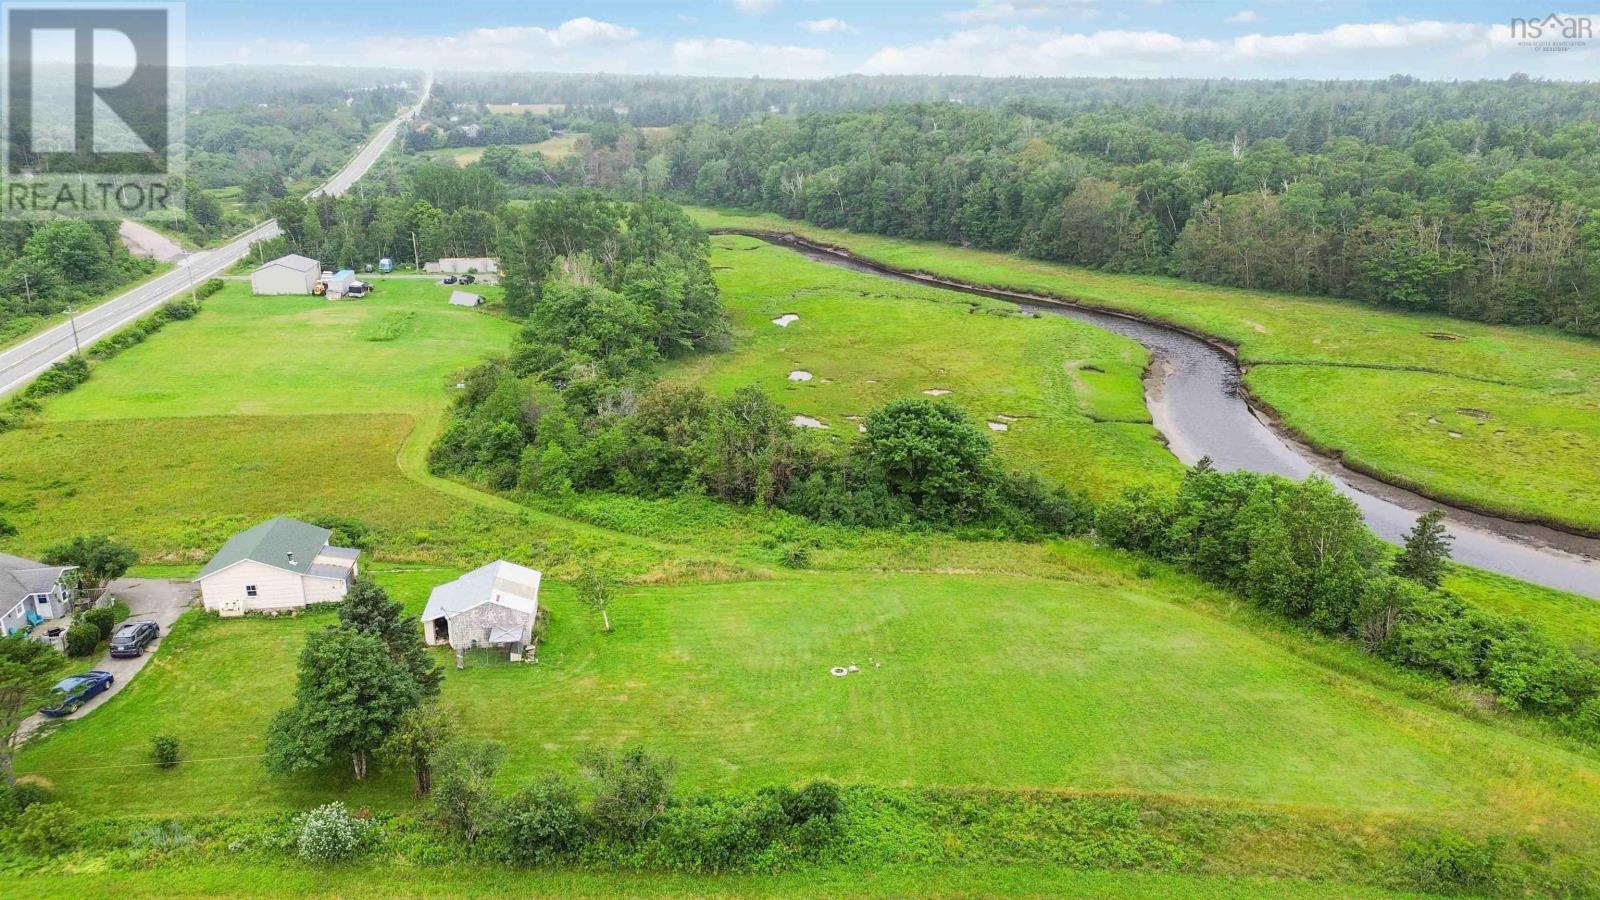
x=1069 y=395
x=263 y=406
x=977 y=681
x=1539 y=387
x=247 y=355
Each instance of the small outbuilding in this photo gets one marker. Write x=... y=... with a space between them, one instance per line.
x=339 y=284
x=463 y=298
x=292 y=274
x=493 y=606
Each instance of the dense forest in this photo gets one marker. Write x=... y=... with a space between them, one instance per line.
x=1473 y=198
x=1465 y=216
x=1375 y=111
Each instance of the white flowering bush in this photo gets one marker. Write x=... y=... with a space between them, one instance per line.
x=329 y=833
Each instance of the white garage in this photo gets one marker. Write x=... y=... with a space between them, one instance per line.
x=292 y=274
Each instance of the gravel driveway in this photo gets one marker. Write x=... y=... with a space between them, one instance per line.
x=159 y=601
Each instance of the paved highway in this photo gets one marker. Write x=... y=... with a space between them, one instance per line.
x=24 y=362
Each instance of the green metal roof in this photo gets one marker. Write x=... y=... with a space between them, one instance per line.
x=274 y=542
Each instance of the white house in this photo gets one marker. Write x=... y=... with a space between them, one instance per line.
x=493 y=606
x=32 y=592
x=465 y=298
x=292 y=274
x=282 y=564
x=461 y=265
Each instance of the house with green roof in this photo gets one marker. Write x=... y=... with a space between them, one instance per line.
x=281 y=565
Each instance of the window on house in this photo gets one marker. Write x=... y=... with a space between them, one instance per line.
x=249 y=590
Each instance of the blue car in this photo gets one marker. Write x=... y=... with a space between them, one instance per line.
x=75 y=690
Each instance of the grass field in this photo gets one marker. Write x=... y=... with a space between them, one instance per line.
x=478 y=880
x=552 y=149
x=1056 y=686
x=1069 y=395
x=282 y=405
x=1522 y=399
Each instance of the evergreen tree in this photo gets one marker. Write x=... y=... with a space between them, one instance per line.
x=1426 y=551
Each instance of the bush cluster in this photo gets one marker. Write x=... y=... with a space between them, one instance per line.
x=83 y=638
x=330 y=833
x=164 y=751
x=1302 y=550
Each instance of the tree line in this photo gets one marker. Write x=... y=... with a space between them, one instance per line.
x=1469 y=217
x=1302 y=112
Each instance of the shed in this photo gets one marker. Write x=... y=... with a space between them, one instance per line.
x=463 y=298
x=492 y=606
x=339 y=284
x=292 y=274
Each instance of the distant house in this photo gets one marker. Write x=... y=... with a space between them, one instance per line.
x=32 y=592
x=282 y=564
x=493 y=606
x=292 y=274
x=462 y=298
x=461 y=265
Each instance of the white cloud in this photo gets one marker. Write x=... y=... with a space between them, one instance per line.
x=1244 y=16
x=987 y=11
x=755 y=7
x=826 y=26
x=728 y=56
x=1426 y=49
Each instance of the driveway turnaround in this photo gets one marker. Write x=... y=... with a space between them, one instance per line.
x=159 y=601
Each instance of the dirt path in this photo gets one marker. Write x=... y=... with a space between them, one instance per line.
x=142 y=240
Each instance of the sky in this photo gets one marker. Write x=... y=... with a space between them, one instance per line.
x=819 y=38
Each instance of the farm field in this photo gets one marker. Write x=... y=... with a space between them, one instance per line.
x=552 y=149
x=1068 y=394
x=280 y=405
x=1059 y=686
x=1407 y=369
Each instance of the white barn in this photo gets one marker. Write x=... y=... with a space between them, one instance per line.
x=492 y=606
x=292 y=274
x=280 y=565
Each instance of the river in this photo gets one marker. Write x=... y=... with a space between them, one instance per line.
x=1197 y=401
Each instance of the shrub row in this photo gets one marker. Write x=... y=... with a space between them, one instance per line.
x=169 y=312
x=781 y=829
x=74 y=370
x=1300 y=549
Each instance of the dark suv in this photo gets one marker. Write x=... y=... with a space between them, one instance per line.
x=132 y=637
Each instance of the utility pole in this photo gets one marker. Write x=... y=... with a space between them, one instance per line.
x=27 y=288
x=416 y=258
x=72 y=320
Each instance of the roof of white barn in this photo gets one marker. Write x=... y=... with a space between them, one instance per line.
x=294 y=261
x=508 y=584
